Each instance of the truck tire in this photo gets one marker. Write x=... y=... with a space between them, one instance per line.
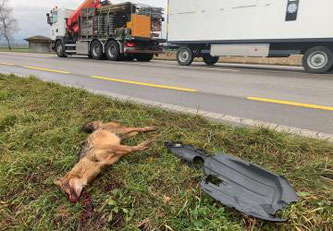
x=185 y=56
x=144 y=57
x=112 y=50
x=210 y=60
x=60 y=49
x=96 y=50
x=318 y=60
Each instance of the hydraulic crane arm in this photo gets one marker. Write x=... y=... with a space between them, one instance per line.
x=72 y=22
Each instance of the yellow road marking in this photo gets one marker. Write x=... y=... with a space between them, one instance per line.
x=144 y=84
x=46 y=69
x=6 y=64
x=291 y=103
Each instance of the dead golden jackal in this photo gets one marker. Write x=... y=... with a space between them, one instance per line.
x=103 y=148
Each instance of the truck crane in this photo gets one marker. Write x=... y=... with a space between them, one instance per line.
x=72 y=22
x=99 y=29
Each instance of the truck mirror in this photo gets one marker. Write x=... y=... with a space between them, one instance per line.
x=49 y=20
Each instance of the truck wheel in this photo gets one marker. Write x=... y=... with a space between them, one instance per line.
x=185 y=56
x=210 y=60
x=318 y=60
x=60 y=49
x=144 y=57
x=112 y=51
x=96 y=50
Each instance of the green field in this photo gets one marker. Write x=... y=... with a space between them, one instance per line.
x=40 y=139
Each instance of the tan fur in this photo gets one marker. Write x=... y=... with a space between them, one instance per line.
x=103 y=148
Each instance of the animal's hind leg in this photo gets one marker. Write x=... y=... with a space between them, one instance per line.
x=131 y=132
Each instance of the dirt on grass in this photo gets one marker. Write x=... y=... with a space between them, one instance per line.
x=40 y=138
x=295 y=60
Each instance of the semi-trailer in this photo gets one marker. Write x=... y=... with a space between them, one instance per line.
x=100 y=29
x=253 y=28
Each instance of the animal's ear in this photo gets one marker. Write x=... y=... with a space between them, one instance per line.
x=57 y=182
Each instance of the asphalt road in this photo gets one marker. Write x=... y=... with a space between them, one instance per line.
x=273 y=95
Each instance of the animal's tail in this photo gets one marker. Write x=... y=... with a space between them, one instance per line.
x=91 y=126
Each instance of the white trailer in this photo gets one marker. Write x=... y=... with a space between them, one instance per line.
x=253 y=28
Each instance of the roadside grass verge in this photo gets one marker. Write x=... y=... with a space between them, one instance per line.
x=40 y=140
x=15 y=49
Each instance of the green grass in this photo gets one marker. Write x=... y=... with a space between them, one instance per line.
x=40 y=140
x=15 y=49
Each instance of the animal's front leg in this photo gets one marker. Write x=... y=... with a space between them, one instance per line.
x=119 y=151
x=143 y=146
x=128 y=135
x=122 y=150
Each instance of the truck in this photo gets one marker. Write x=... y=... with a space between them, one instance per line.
x=253 y=28
x=100 y=29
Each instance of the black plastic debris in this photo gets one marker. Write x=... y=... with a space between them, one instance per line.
x=238 y=184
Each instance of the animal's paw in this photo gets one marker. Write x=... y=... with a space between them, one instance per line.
x=145 y=145
x=151 y=129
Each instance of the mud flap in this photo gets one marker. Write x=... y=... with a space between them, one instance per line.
x=238 y=184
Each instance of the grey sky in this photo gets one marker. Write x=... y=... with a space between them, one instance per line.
x=31 y=14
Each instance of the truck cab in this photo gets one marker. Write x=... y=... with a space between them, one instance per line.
x=57 y=20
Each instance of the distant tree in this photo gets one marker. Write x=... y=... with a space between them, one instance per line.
x=8 y=24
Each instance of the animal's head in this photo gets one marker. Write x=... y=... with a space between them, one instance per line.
x=92 y=126
x=71 y=187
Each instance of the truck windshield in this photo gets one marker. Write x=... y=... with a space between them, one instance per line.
x=55 y=17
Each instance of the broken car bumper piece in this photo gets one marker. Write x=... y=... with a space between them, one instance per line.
x=238 y=184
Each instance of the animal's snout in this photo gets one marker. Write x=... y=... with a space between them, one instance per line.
x=73 y=199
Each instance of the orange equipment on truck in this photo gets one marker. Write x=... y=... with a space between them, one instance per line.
x=72 y=22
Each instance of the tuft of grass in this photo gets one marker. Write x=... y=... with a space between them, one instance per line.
x=40 y=140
